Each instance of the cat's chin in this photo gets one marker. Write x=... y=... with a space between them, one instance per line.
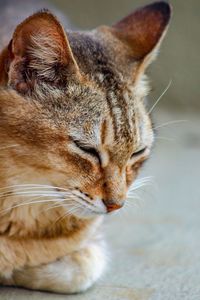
x=86 y=210
x=92 y=215
x=89 y=214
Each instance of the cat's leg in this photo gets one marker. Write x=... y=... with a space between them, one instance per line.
x=71 y=274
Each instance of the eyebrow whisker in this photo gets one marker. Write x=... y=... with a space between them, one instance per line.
x=160 y=97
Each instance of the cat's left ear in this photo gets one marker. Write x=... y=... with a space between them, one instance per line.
x=143 y=30
x=40 y=52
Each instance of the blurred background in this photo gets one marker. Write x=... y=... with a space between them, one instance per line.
x=179 y=59
x=154 y=240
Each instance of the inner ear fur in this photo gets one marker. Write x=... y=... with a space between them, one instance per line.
x=40 y=51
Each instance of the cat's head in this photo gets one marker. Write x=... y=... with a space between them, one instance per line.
x=74 y=106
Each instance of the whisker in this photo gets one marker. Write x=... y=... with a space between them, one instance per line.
x=169 y=123
x=27 y=203
x=63 y=203
x=132 y=197
x=68 y=213
x=33 y=186
x=139 y=183
x=7 y=147
x=159 y=98
x=54 y=206
x=83 y=201
x=38 y=191
x=22 y=193
x=145 y=180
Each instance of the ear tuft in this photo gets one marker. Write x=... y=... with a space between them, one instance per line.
x=143 y=29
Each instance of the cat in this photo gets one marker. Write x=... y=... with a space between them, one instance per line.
x=74 y=132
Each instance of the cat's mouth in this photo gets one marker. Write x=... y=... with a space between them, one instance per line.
x=78 y=204
x=73 y=201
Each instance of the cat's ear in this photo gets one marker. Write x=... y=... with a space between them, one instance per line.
x=40 y=51
x=142 y=31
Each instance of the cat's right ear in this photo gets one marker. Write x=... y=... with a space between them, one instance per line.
x=40 y=52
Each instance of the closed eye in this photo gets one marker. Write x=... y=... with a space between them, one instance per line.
x=138 y=153
x=89 y=150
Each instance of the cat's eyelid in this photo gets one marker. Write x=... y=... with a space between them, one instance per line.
x=81 y=144
x=91 y=150
x=138 y=152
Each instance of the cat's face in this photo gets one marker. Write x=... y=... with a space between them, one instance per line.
x=75 y=107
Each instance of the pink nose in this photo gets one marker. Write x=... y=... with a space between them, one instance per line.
x=111 y=205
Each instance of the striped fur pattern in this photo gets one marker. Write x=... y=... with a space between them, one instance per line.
x=74 y=133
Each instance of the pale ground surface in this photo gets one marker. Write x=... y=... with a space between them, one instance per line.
x=155 y=245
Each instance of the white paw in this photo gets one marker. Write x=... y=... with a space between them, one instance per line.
x=72 y=274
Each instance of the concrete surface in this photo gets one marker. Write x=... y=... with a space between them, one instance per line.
x=154 y=244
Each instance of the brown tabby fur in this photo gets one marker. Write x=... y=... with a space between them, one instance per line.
x=60 y=91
